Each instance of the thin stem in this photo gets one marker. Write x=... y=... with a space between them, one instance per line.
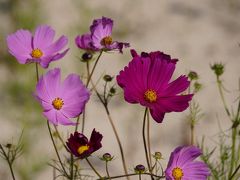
x=107 y=170
x=144 y=140
x=235 y=172
x=134 y=174
x=94 y=66
x=93 y=168
x=55 y=148
x=139 y=176
x=148 y=141
x=219 y=84
x=114 y=130
x=234 y=133
x=8 y=161
x=59 y=137
x=37 y=72
x=192 y=127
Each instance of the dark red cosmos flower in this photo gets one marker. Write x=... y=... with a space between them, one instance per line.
x=79 y=145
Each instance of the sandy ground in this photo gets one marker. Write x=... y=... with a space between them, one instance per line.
x=198 y=34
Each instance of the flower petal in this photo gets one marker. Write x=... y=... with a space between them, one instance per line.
x=56 y=46
x=20 y=45
x=62 y=119
x=43 y=37
x=51 y=116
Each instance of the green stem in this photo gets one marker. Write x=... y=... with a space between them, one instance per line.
x=93 y=168
x=8 y=161
x=219 y=83
x=55 y=148
x=94 y=66
x=37 y=72
x=235 y=172
x=234 y=134
x=107 y=170
x=144 y=140
x=149 y=142
x=134 y=174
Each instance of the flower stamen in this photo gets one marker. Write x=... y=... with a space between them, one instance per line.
x=106 y=41
x=150 y=95
x=57 y=103
x=177 y=173
x=82 y=149
x=36 y=53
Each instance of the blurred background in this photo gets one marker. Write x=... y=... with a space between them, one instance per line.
x=197 y=33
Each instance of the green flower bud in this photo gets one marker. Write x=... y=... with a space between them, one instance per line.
x=157 y=155
x=197 y=86
x=218 y=69
x=192 y=75
x=106 y=157
x=107 y=78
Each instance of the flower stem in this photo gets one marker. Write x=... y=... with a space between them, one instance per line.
x=114 y=130
x=8 y=161
x=37 y=72
x=144 y=141
x=148 y=141
x=134 y=174
x=94 y=66
x=235 y=172
x=55 y=148
x=107 y=170
x=93 y=168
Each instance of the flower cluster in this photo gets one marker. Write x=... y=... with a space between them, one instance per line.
x=145 y=80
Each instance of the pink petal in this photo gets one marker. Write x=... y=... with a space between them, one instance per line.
x=63 y=119
x=157 y=115
x=20 y=45
x=43 y=37
x=51 y=116
x=41 y=91
x=56 y=46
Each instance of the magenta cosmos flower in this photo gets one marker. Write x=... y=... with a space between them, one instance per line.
x=79 y=145
x=181 y=165
x=100 y=37
x=61 y=102
x=146 y=81
x=40 y=48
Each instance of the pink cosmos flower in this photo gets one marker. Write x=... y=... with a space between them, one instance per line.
x=181 y=165
x=61 y=102
x=40 y=48
x=146 y=81
x=100 y=37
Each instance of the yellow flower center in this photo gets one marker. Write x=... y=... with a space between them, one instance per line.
x=177 y=173
x=107 y=41
x=57 y=103
x=150 y=96
x=36 y=53
x=82 y=149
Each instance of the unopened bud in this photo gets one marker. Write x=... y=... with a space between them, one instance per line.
x=197 y=86
x=106 y=157
x=112 y=90
x=192 y=75
x=107 y=78
x=218 y=69
x=157 y=155
x=86 y=56
x=140 y=169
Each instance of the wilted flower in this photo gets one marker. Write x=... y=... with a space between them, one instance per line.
x=79 y=145
x=40 y=48
x=100 y=37
x=146 y=81
x=181 y=165
x=61 y=102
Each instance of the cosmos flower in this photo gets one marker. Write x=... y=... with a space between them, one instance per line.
x=79 y=145
x=146 y=81
x=61 y=102
x=40 y=48
x=100 y=37
x=181 y=165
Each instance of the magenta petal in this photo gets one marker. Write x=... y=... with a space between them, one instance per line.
x=157 y=115
x=51 y=116
x=41 y=91
x=188 y=154
x=62 y=119
x=174 y=103
x=43 y=37
x=177 y=86
x=19 y=45
x=84 y=42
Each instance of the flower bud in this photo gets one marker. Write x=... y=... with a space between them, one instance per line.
x=107 y=78
x=197 y=86
x=140 y=169
x=8 y=145
x=86 y=56
x=192 y=75
x=106 y=157
x=157 y=155
x=112 y=90
x=218 y=69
